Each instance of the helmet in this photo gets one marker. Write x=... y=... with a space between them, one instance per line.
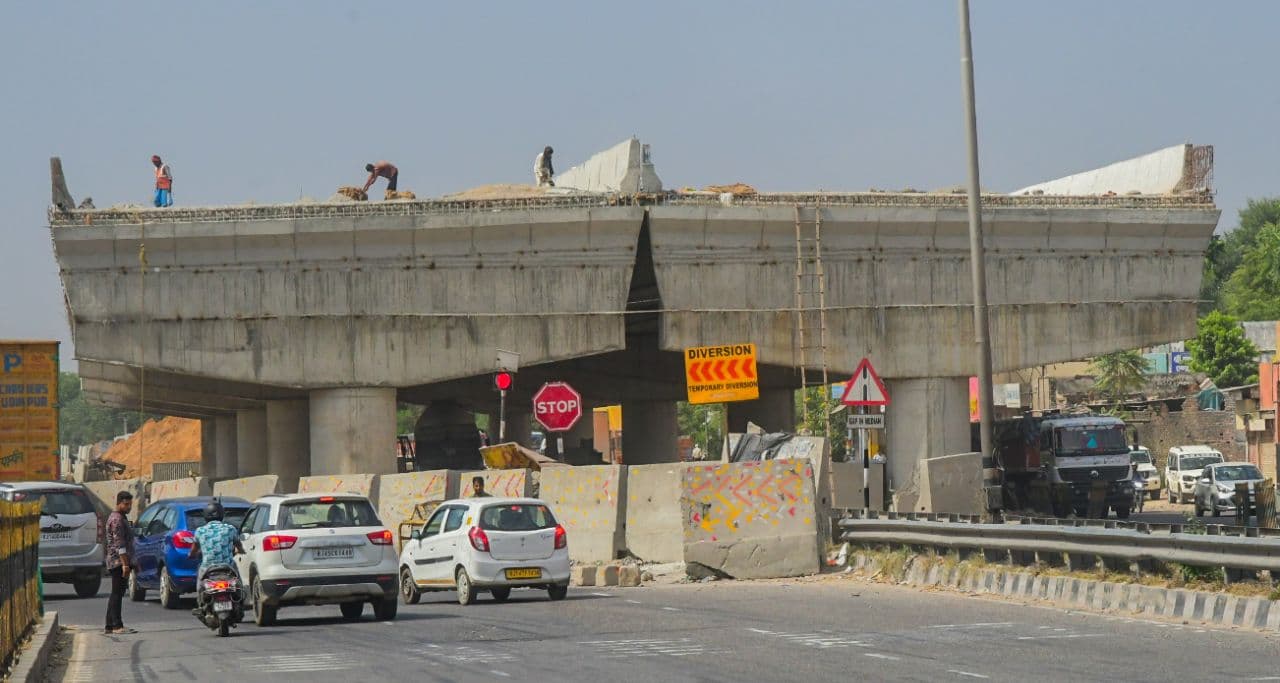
x=155 y=158
x=213 y=511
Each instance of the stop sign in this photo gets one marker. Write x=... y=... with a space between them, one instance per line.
x=557 y=406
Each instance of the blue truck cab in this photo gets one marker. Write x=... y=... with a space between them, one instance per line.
x=165 y=534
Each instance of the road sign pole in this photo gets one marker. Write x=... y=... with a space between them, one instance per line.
x=866 y=466
x=560 y=445
x=502 y=416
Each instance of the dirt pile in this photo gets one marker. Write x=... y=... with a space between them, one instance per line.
x=353 y=193
x=500 y=191
x=736 y=189
x=173 y=439
x=400 y=194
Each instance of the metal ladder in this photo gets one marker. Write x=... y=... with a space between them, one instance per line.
x=811 y=310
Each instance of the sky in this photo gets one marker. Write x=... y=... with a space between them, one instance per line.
x=268 y=101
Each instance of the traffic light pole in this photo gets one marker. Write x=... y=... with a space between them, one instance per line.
x=502 y=416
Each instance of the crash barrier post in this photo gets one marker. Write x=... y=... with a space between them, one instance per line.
x=1265 y=496
x=1241 y=499
x=19 y=574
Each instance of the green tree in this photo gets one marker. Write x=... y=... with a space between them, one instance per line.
x=820 y=405
x=1227 y=253
x=1221 y=351
x=81 y=423
x=1253 y=291
x=407 y=416
x=1120 y=374
x=704 y=423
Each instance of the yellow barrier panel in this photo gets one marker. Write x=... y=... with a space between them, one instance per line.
x=19 y=565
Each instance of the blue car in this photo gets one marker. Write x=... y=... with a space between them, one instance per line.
x=165 y=534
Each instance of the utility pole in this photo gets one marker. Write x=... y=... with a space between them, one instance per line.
x=977 y=257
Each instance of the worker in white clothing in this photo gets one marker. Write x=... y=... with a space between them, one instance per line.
x=542 y=170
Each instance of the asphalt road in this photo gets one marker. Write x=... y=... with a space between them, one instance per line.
x=831 y=629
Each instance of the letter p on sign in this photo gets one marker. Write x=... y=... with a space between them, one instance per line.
x=11 y=361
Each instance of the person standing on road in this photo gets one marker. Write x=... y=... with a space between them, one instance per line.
x=477 y=488
x=542 y=170
x=164 y=182
x=119 y=560
x=383 y=169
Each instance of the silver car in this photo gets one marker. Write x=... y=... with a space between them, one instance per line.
x=1216 y=488
x=71 y=532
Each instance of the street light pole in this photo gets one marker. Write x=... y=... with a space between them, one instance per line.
x=977 y=258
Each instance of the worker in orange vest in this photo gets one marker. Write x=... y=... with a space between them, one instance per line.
x=164 y=182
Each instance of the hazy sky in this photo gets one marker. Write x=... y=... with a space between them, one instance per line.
x=267 y=101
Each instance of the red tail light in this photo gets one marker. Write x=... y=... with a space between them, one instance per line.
x=382 y=537
x=562 y=538
x=184 y=540
x=479 y=539
x=278 y=542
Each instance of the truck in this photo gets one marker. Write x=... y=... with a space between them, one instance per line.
x=1054 y=463
x=29 y=411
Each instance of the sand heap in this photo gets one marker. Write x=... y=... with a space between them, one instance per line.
x=173 y=439
x=736 y=189
x=500 y=191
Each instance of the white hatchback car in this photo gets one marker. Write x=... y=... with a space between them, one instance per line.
x=492 y=544
x=71 y=532
x=318 y=549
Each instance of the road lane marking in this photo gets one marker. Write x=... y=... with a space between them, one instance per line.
x=603 y=595
x=625 y=649
x=671 y=609
x=970 y=674
x=1062 y=636
x=977 y=625
x=499 y=673
x=634 y=602
x=877 y=655
x=816 y=639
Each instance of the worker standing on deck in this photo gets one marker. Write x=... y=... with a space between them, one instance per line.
x=164 y=182
x=384 y=169
x=542 y=170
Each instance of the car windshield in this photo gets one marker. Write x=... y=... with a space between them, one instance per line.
x=519 y=517
x=1139 y=458
x=59 y=502
x=232 y=516
x=1199 y=462
x=1102 y=440
x=327 y=513
x=1236 y=473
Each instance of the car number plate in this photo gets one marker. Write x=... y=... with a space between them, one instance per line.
x=222 y=605
x=56 y=536
x=333 y=553
x=534 y=573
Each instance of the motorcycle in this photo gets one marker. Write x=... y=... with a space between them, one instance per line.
x=222 y=598
x=1139 y=492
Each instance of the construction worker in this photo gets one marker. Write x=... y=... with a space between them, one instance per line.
x=384 y=169
x=164 y=182
x=542 y=170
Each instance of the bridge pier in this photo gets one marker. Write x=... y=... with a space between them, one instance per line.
x=353 y=430
x=928 y=418
x=649 y=432
x=226 y=466
x=251 y=442
x=208 y=446
x=288 y=442
x=774 y=411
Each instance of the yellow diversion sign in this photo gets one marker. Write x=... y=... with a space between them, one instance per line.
x=28 y=410
x=720 y=374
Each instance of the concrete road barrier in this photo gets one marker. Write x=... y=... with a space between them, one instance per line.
x=180 y=488
x=589 y=502
x=363 y=484
x=654 y=529
x=751 y=520
x=248 y=488
x=104 y=494
x=399 y=493
x=501 y=483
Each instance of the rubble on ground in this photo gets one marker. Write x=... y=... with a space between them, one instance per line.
x=501 y=191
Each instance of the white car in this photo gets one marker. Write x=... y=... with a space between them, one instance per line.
x=492 y=544
x=71 y=532
x=318 y=549
x=1184 y=468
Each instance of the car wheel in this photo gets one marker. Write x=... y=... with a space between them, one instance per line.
x=136 y=593
x=558 y=591
x=408 y=589
x=352 y=611
x=168 y=596
x=87 y=588
x=385 y=609
x=263 y=614
x=501 y=593
x=466 y=591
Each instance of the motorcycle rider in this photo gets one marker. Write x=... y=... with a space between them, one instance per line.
x=216 y=543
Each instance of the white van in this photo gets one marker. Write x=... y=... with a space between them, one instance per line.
x=70 y=532
x=1183 y=470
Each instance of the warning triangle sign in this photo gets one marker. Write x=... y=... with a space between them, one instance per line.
x=865 y=388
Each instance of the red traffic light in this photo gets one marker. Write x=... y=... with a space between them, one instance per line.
x=502 y=381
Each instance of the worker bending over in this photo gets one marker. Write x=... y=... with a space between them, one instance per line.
x=542 y=170
x=384 y=169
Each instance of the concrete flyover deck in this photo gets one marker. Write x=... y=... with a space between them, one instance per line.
x=346 y=308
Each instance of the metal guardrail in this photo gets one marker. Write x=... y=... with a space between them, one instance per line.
x=1150 y=542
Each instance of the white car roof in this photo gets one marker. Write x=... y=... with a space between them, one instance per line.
x=490 y=500
x=288 y=497
x=1230 y=464
x=1195 y=450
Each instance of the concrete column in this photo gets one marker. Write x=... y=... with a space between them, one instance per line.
x=288 y=442
x=353 y=431
x=519 y=426
x=208 y=446
x=774 y=411
x=649 y=432
x=225 y=443
x=928 y=418
x=251 y=442
x=578 y=441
